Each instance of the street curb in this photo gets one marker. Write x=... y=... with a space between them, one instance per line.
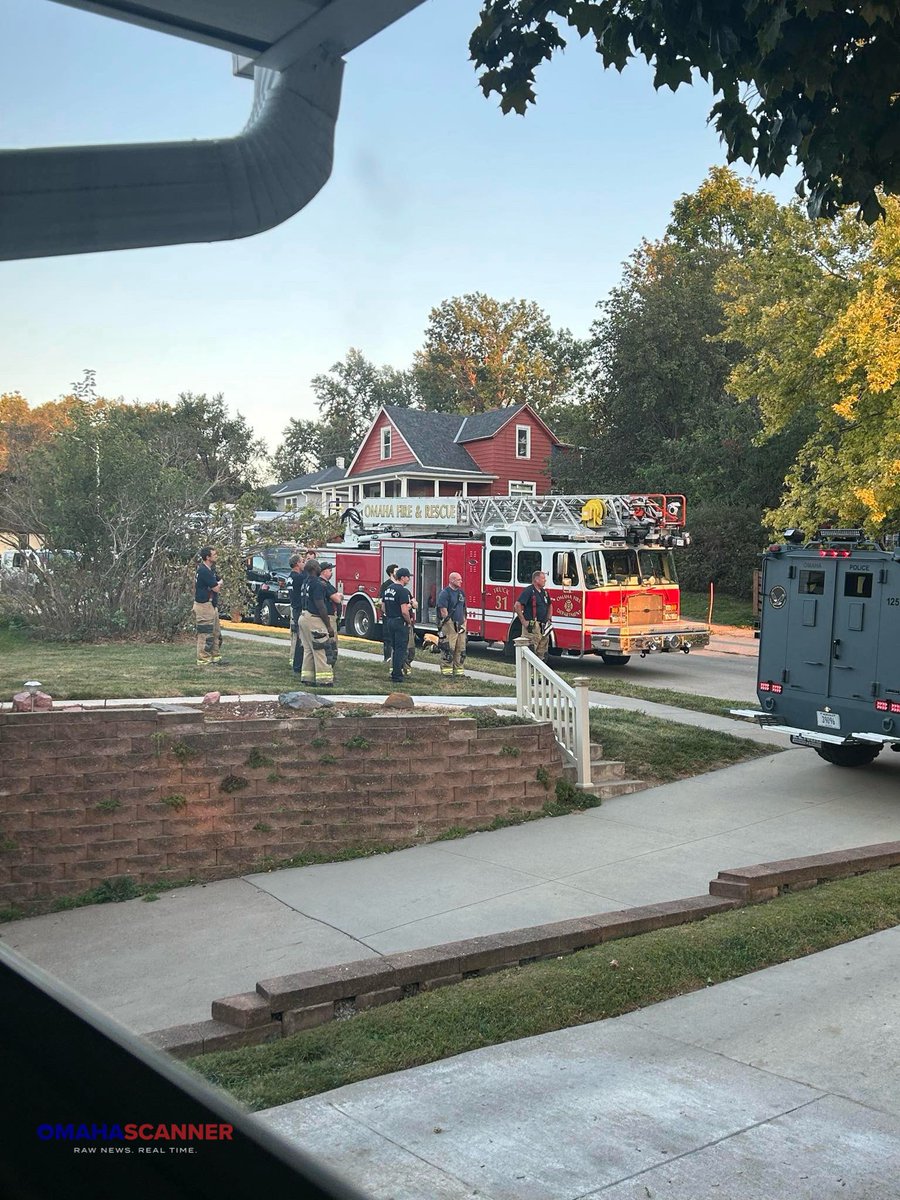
x=287 y=1004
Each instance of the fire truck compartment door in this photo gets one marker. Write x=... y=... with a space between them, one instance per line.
x=854 y=644
x=474 y=587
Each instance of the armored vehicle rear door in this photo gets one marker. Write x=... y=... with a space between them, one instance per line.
x=887 y=597
x=774 y=617
x=810 y=610
x=854 y=643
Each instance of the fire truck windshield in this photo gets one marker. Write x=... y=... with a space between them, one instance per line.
x=628 y=567
x=657 y=566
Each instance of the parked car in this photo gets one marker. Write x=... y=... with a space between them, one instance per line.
x=268 y=579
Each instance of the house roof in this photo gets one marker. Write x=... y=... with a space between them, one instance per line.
x=304 y=483
x=486 y=424
x=430 y=436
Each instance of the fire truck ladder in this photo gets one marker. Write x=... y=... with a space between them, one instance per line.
x=611 y=516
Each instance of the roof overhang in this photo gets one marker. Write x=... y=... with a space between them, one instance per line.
x=80 y=199
x=407 y=471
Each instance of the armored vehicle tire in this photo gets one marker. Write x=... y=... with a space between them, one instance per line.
x=615 y=660
x=267 y=613
x=848 y=756
x=359 y=622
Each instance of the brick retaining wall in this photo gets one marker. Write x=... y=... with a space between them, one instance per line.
x=144 y=793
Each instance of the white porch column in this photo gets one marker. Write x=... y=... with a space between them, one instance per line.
x=403 y=482
x=437 y=487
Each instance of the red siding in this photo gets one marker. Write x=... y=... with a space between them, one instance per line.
x=497 y=455
x=370 y=455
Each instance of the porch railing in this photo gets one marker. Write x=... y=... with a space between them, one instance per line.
x=542 y=695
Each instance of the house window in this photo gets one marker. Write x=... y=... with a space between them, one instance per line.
x=386 y=441
x=521 y=487
x=523 y=441
x=289 y=504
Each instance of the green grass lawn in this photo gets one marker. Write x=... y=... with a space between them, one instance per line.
x=658 y=751
x=727 y=610
x=110 y=670
x=610 y=681
x=591 y=985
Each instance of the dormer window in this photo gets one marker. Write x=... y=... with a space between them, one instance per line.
x=523 y=441
x=386 y=441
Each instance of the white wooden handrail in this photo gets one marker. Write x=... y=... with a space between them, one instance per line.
x=542 y=695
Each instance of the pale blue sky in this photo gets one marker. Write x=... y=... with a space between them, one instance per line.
x=434 y=193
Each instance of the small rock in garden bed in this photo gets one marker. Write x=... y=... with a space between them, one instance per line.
x=297 y=700
x=399 y=700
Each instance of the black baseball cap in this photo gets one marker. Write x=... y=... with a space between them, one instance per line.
x=326 y=566
x=403 y=573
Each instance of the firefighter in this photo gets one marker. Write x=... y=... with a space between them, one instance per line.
x=335 y=599
x=296 y=565
x=317 y=628
x=533 y=611
x=389 y=579
x=398 y=621
x=451 y=606
x=206 y=609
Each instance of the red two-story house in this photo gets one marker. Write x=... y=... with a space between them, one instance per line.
x=407 y=452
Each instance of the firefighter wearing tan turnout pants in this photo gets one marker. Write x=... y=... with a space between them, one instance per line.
x=451 y=606
x=317 y=631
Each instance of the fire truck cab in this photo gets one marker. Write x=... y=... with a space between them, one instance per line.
x=608 y=560
x=829 y=650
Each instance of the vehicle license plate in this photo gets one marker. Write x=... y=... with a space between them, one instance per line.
x=828 y=720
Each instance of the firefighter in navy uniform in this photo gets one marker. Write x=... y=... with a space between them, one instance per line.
x=296 y=565
x=334 y=599
x=317 y=629
x=451 y=606
x=533 y=611
x=397 y=613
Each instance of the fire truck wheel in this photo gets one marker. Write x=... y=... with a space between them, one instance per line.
x=848 y=756
x=267 y=614
x=615 y=660
x=359 y=621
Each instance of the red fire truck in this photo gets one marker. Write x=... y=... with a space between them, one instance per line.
x=608 y=560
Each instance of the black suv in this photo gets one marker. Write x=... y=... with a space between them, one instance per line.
x=269 y=581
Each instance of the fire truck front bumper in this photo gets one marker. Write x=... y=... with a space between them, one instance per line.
x=646 y=639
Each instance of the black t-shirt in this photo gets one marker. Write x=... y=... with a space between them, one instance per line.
x=298 y=578
x=387 y=583
x=206 y=581
x=395 y=595
x=536 y=604
x=315 y=597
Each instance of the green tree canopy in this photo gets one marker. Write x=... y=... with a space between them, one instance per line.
x=660 y=364
x=481 y=353
x=811 y=79
x=348 y=397
x=816 y=310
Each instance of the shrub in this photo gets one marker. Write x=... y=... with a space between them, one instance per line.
x=725 y=549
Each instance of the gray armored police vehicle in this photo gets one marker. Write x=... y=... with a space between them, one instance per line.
x=829 y=649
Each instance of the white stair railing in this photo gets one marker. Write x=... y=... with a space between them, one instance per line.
x=542 y=695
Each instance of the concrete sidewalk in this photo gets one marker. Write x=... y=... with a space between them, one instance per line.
x=154 y=965
x=780 y=1085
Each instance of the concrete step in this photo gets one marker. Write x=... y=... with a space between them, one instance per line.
x=615 y=787
x=606 y=769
